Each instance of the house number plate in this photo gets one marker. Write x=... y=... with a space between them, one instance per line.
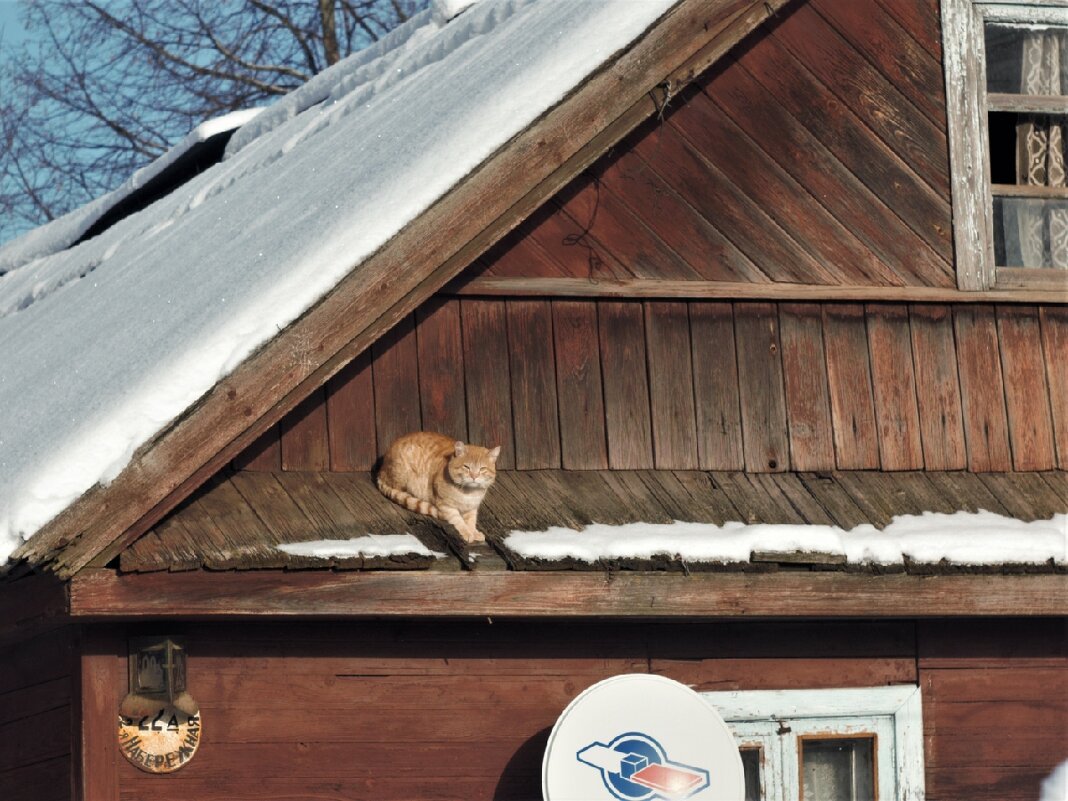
x=160 y=742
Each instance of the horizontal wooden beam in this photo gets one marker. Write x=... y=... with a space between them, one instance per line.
x=1054 y=289
x=102 y=593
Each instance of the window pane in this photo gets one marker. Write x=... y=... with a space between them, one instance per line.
x=838 y=770
x=1030 y=232
x=751 y=764
x=1028 y=60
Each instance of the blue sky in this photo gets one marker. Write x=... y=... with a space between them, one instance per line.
x=10 y=30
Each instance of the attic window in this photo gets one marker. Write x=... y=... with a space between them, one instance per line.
x=1007 y=81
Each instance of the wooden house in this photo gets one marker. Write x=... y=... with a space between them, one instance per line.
x=751 y=265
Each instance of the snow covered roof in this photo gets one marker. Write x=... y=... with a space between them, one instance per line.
x=108 y=341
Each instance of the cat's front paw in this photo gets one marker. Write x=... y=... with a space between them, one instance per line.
x=473 y=535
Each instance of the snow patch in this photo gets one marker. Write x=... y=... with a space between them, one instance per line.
x=963 y=538
x=368 y=545
x=1055 y=786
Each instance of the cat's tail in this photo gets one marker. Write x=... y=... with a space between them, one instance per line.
x=407 y=500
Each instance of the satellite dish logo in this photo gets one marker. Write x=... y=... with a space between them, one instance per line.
x=634 y=767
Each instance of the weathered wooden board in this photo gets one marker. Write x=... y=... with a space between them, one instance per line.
x=894 y=384
x=1027 y=393
x=671 y=395
x=263 y=454
x=934 y=356
x=1054 y=320
x=580 y=393
x=487 y=377
x=350 y=413
x=715 y=387
x=760 y=381
x=441 y=368
x=626 y=388
x=533 y=371
x=305 y=441
x=808 y=405
x=982 y=389
x=395 y=372
x=852 y=402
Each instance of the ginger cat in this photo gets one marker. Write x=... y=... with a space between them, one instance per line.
x=439 y=476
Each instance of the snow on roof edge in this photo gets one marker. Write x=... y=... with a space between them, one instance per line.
x=961 y=538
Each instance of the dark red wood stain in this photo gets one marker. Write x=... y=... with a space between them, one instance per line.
x=488 y=384
x=896 y=412
x=715 y=387
x=350 y=412
x=845 y=341
x=808 y=404
x=305 y=443
x=760 y=382
x=937 y=387
x=441 y=369
x=1055 y=350
x=626 y=391
x=667 y=335
x=533 y=369
x=1026 y=391
x=583 y=443
x=395 y=371
x=982 y=390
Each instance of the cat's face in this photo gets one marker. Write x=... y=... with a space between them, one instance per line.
x=473 y=467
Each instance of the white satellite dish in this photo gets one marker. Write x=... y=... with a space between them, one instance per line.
x=641 y=738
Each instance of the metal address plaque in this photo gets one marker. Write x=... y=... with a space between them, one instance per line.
x=160 y=742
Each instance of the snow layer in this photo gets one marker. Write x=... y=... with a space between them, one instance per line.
x=367 y=545
x=1055 y=786
x=962 y=538
x=64 y=231
x=107 y=342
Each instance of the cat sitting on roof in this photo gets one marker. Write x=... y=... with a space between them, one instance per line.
x=439 y=476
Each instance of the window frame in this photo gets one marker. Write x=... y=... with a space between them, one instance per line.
x=963 y=57
x=892 y=713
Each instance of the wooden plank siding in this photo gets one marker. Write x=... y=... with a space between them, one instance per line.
x=710 y=385
x=37 y=677
x=817 y=154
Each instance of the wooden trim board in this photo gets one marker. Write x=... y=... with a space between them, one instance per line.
x=495 y=198
x=101 y=593
x=1055 y=290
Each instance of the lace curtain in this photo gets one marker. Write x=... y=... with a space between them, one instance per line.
x=1041 y=228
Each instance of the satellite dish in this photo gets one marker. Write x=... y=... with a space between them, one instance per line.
x=641 y=738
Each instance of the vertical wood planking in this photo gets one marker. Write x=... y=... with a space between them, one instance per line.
x=102 y=677
x=715 y=387
x=263 y=454
x=760 y=383
x=533 y=367
x=350 y=414
x=896 y=411
x=626 y=391
x=982 y=390
x=305 y=441
x=934 y=357
x=487 y=377
x=1027 y=395
x=441 y=368
x=1054 y=320
x=674 y=424
x=845 y=342
x=395 y=372
x=583 y=445
x=808 y=403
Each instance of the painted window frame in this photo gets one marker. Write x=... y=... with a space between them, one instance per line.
x=964 y=61
x=774 y=719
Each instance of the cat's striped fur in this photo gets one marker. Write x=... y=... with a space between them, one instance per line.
x=439 y=476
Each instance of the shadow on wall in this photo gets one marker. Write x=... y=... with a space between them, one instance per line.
x=521 y=779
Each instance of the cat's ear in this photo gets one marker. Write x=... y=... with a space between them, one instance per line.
x=460 y=448
x=494 y=453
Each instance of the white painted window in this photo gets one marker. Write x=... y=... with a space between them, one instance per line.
x=1006 y=66
x=856 y=744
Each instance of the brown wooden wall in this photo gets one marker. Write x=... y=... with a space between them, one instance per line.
x=714 y=385
x=816 y=153
x=462 y=710
x=36 y=720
